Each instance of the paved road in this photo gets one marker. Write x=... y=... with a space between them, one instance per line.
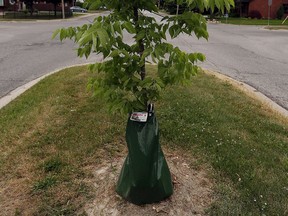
x=27 y=51
x=250 y=54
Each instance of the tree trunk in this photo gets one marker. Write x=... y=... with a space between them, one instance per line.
x=30 y=7
x=140 y=42
x=141 y=48
x=240 y=8
x=55 y=10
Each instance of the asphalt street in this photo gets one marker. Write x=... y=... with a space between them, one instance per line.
x=249 y=54
x=28 y=52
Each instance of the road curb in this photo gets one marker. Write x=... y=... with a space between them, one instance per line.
x=251 y=92
x=21 y=89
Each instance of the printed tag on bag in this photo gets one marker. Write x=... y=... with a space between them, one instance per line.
x=139 y=116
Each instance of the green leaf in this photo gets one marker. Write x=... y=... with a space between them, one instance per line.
x=146 y=53
x=62 y=34
x=129 y=27
x=117 y=27
x=86 y=38
x=118 y=78
x=114 y=53
x=171 y=32
x=55 y=33
x=103 y=37
x=140 y=35
x=94 y=39
x=201 y=57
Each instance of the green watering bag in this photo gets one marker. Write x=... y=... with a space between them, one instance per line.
x=145 y=176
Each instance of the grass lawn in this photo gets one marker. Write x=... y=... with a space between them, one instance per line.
x=247 y=21
x=53 y=136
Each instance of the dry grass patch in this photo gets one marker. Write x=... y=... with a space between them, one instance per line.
x=193 y=189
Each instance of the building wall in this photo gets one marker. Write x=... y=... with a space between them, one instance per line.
x=6 y=5
x=3 y=3
x=44 y=6
x=40 y=6
x=262 y=7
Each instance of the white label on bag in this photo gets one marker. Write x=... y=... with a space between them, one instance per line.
x=139 y=116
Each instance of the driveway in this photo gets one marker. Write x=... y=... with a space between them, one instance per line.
x=249 y=54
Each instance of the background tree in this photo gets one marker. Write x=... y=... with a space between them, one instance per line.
x=55 y=3
x=178 y=2
x=29 y=4
x=176 y=6
x=122 y=79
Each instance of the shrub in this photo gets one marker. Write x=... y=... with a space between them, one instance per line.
x=79 y=4
x=255 y=14
x=280 y=12
x=234 y=15
x=171 y=8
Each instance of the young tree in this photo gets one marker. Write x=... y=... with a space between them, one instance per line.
x=123 y=81
x=122 y=78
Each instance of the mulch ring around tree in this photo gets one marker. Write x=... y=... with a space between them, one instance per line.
x=193 y=190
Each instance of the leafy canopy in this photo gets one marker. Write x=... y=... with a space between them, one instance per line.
x=121 y=79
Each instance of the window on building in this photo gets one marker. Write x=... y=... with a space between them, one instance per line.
x=1 y=2
x=284 y=5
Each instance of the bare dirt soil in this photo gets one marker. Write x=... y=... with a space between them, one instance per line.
x=193 y=190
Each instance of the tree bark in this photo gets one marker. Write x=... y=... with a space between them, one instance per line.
x=141 y=48
x=140 y=43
